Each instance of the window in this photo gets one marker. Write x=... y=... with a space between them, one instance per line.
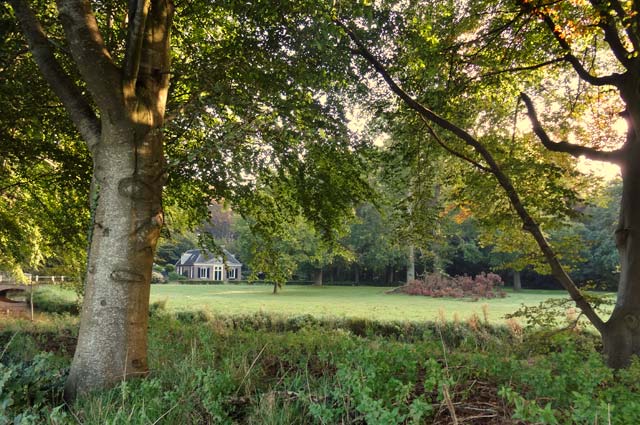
x=231 y=273
x=217 y=272
x=203 y=273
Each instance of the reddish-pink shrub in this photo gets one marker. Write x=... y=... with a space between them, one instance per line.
x=484 y=285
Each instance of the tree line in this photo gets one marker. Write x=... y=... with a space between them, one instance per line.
x=373 y=250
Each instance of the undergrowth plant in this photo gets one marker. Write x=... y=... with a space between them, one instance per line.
x=266 y=369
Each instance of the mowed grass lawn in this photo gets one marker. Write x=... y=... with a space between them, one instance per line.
x=338 y=301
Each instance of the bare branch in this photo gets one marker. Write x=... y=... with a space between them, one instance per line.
x=524 y=68
x=81 y=113
x=50 y=176
x=529 y=224
x=616 y=157
x=489 y=37
x=90 y=54
x=138 y=11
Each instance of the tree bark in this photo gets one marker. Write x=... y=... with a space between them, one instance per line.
x=621 y=337
x=517 y=284
x=317 y=277
x=388 y=275
x=112 y=343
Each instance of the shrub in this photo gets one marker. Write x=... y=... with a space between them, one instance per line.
x=191 y=317
x=484 y=285
x=157 y=277
x=175 y=276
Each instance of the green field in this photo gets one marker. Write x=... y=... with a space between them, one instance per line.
x=337 y=301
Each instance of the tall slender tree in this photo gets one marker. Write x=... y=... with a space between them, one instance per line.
x=587 y=45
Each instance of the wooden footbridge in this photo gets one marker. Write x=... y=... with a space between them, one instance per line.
x=10 y=306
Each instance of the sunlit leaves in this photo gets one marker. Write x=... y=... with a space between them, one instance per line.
x=45 y=169
x=257 y=114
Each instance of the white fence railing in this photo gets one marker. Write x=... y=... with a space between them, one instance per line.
x=45 y=279
x=37 y=279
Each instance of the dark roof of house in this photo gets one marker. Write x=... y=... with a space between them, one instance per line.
x=198 y=256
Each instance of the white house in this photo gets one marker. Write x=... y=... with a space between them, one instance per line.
x=198 y=264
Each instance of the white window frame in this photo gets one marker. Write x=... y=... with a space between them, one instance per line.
x=203 y=273
x=217 y=273
x=231 y=273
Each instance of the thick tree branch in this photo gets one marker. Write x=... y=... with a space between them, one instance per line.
x=612 y=38
x=529 y=224
x=90 y=54
x=616 y=157
x=81 y=113
x=613 y=79
x=611 y=35
x=627 y=23
x=152 y=81
x=138 y=11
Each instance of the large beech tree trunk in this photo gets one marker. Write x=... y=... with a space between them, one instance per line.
x=112 y=343
x=125 y=140
x=621 y=336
